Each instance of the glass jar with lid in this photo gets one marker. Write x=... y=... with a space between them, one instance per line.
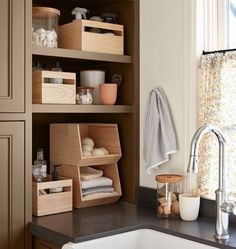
x=169 y=187
x=85 y=95
x=45 y=27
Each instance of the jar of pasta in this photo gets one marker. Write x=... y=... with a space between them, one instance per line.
x=169 y=187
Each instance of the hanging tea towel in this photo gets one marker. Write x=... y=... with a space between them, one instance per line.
x=159 y=133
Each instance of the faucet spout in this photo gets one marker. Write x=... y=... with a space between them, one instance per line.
x=222 y=218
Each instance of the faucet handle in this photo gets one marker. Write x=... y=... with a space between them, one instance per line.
x=229 y=207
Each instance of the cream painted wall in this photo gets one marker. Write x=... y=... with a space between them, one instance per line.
x=164 y=61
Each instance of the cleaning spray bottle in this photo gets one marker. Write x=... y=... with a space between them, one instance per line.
x=80 y=13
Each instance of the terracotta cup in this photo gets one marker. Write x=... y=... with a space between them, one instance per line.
x=108 y=93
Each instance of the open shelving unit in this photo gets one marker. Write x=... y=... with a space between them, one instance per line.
x=125 y=113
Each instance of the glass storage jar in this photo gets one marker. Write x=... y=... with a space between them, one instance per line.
x=85 y=95
x=45 y=27
x=168 y=189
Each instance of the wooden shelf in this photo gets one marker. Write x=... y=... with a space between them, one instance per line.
x=80 y=55
x=46 y=108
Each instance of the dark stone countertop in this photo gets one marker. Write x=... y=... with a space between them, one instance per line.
x=90 y=223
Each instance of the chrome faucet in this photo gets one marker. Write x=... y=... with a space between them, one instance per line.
x=224 y=207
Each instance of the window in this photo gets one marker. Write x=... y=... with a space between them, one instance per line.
x=231 y=24
x=217 y=91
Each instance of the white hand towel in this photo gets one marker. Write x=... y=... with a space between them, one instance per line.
x=159 y=134
x=96 y=182
x=91 y=191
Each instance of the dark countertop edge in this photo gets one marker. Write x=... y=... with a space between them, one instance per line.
x=56 y=238
x=49 y=235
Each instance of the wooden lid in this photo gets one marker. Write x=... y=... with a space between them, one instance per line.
x=169 y=178
x=45 y=12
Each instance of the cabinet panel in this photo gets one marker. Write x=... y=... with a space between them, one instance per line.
x=12 y=55
x=12 y=185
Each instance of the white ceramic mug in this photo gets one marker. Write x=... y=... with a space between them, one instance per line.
x=189 y=206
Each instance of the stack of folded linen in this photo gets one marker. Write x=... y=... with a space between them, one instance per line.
x=93 y=182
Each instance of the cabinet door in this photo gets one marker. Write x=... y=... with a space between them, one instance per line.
x=12 y=55
x=12 y=185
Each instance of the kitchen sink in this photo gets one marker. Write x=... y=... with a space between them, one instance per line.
x=138 y=239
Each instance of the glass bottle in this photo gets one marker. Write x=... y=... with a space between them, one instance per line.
x=57 y=68
x=37 y=66
x=40 y=167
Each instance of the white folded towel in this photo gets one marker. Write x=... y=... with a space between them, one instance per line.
x=159 y=134
x=96 y=182
x=92 y=191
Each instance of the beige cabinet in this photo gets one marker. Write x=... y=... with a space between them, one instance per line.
x=12 y=215
x=12 y=55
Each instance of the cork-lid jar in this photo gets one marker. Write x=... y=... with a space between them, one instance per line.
x=169 y=186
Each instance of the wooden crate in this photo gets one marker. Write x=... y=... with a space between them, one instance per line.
x=51 y=203
x=74 y=35
x=49 y=93
x=66 y=147
x=110 y=171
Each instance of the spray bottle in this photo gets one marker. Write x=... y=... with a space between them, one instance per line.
x=80 y=13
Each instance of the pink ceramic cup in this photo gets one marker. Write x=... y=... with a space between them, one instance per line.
x=108 y=93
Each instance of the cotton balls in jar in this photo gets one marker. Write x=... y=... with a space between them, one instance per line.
x=44 y=38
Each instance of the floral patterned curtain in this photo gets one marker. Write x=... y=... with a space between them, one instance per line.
x=217 y=105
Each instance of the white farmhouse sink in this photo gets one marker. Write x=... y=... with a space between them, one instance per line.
x=138 y=239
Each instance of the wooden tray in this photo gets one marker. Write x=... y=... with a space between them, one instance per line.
x=51 y=203
x=75 y=35
x=66 y=147
x=49 y=93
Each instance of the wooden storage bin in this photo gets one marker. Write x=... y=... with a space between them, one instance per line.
x=52 y=203
x=66 y=147
x=110 y=171
x=74 y=35
x=49 y=93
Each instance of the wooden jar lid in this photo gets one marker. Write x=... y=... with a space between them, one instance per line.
x=169 y=178
x=45 y=12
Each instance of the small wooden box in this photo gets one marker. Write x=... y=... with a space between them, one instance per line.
x=110 y=171
x=66 y=146
x=49 y=93
x=51 y=203
x=75 y=35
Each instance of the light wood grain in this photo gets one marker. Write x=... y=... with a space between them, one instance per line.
x=51 y=108
x=66 y=147
x=92 y=42
x=109 y=170
x=81 y=55
x=54 y=202
x=48 y=93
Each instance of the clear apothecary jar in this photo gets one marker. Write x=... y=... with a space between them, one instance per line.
x=169 y=187
x=85 y=95
x=45 y=27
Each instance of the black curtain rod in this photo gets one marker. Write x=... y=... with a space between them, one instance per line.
x=218 y=51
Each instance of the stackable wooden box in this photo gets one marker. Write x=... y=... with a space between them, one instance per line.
x=51 y=203
x=49 y=93
x=66 y=150
x=80 y=38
